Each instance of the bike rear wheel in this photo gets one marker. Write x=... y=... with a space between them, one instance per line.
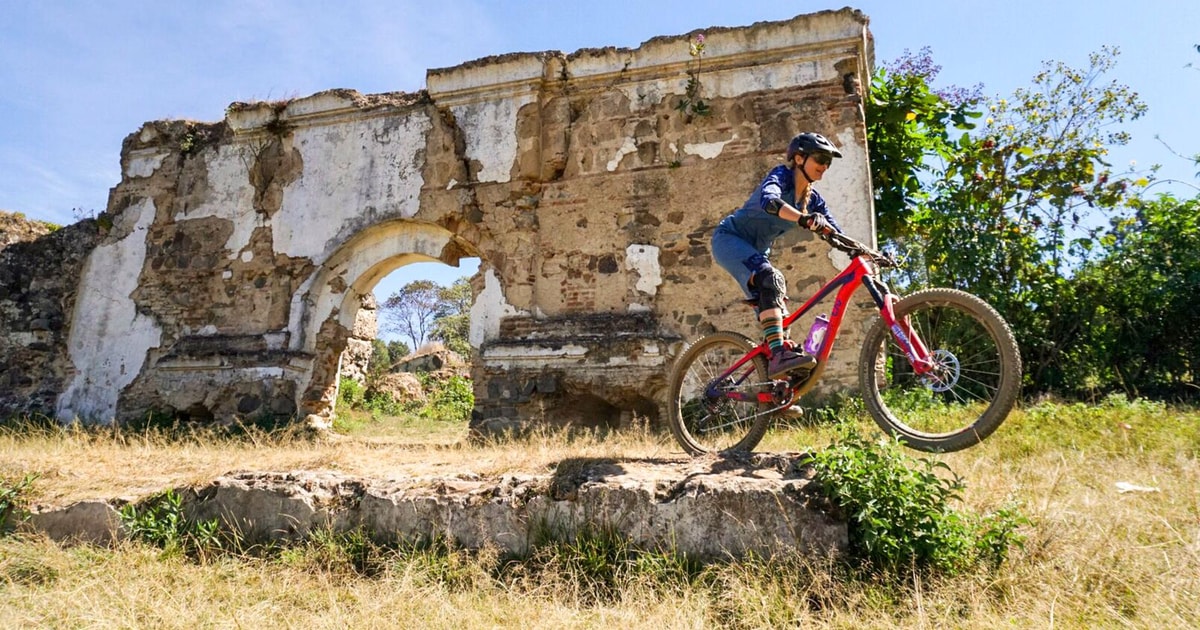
x=703 y=417
x=973 y=387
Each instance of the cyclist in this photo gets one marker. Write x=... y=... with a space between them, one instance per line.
x=742 y=241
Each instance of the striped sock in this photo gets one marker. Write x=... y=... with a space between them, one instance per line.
x=771 y=321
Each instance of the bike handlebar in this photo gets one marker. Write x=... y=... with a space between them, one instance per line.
x=855 y=247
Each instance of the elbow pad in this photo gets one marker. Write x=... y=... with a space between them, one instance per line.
x=774 y=206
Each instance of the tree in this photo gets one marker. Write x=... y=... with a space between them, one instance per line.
x=1020 y=204
x=1011 y=209
x=423 y=310
x=397 y=350
x=1143 y=329
x=452 y=323
x=411 y=311
x=908 y=125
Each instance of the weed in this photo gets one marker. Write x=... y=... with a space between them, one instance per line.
x=692 y=104
x=344 y=552
x=160 y=521
x=13 y=502
x=440 y=561
x=598 y=564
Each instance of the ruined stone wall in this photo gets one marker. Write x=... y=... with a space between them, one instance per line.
x=39 y=275
x=240 y=251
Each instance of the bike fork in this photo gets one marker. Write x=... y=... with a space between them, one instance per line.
x=916 y=351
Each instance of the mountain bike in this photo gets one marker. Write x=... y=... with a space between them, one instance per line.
x=939 y=369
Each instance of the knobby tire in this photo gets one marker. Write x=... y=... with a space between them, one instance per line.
x=972 y=392
x=705 y=423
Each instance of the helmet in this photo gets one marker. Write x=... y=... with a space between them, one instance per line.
x=809 y=143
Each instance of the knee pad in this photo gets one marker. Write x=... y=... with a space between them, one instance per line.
x=771 y=288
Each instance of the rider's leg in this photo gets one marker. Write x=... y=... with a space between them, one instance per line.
x=760 y=280
x=771 y=322
x=772 y=289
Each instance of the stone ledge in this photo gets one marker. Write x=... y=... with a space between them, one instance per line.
x=708 y=508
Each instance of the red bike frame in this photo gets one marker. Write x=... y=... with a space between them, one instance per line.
x=860 y=272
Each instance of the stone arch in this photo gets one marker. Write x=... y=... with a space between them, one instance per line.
x=324 y=308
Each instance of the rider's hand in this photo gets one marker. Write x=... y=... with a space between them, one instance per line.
x=816 y=222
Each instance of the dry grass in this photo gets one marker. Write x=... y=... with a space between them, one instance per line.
x=1095 y=557
x=74 y=464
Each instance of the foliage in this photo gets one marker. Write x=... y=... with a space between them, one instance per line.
x=349 y=552
x=160 y=521
x=381 y=403
x=899 y=514
x=357 y=396
x=1139 y=301
x=397 y=349
x=1050 y=191
x=452 y=320
x=908 y=123
x=1013 y=210
x=351 y=393
x=597 y=563
x=14 y=502
x=1002 y=210
x=451 y=400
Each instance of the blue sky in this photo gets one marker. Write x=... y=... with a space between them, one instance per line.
x=77 y=77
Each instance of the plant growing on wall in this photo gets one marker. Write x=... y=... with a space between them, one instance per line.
x=692 y=104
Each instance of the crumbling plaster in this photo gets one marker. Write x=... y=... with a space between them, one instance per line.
x=241 y=249
x=109 y=339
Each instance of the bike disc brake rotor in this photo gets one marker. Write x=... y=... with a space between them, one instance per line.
x=945 y=373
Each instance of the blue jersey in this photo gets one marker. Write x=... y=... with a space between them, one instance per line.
x=742 y=240
x=753 y=224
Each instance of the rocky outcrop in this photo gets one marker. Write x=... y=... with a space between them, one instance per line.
x=706 y=508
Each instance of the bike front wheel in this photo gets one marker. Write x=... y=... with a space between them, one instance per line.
x=974 y=383
x=714 y=412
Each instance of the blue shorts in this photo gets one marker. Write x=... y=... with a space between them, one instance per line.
x=737 y=257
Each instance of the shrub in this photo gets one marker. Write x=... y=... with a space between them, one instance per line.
x=351 y=393
x=383 y=404
x=451 y=400
x=899 y=512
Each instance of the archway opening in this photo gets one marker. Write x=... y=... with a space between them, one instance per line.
x=409 y=356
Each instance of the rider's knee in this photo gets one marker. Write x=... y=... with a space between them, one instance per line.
x=771 y=288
